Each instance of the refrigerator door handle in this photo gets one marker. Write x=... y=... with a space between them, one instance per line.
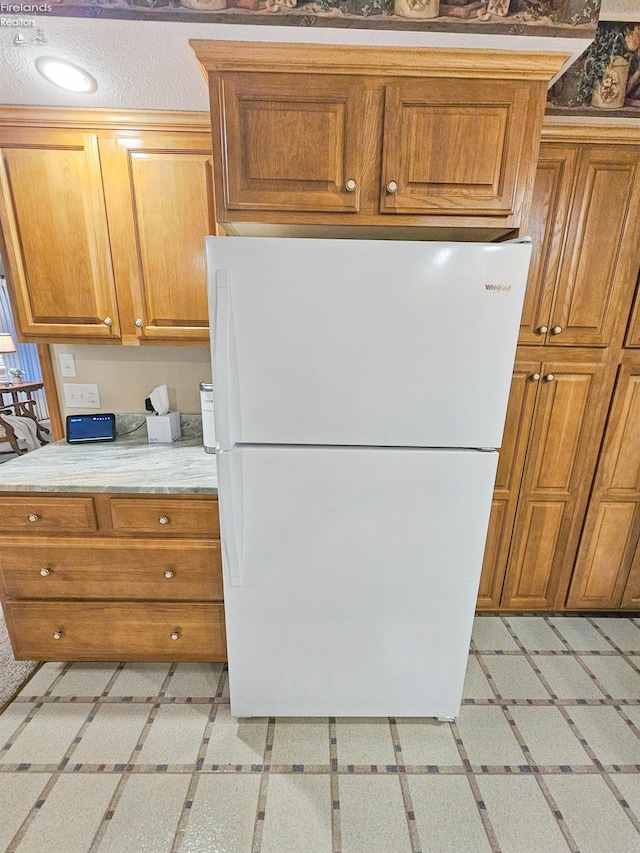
x=229 y=500
x=222 y=359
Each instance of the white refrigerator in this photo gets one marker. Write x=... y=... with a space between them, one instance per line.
x=360 y=391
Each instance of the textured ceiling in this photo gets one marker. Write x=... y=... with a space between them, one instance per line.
x=149 y=64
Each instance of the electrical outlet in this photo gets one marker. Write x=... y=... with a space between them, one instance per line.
x=81 y=396
x=67 y=364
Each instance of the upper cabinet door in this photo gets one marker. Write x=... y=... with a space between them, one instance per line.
x=56 y=240
x=601 y=250
x=290 y=142
x=455 y=148
x=545 y=225
x=159 y=191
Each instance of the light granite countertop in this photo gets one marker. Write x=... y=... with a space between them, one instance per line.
x=128 y=464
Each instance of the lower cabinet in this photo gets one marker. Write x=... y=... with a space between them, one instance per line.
x=631 y=596
x=555 y=421
x=508 y=478
x=139 y=579
x=607 y=571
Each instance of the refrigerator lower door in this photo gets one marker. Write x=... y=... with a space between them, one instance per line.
x=350 y=577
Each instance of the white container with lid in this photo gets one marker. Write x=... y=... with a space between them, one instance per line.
x=208 y=418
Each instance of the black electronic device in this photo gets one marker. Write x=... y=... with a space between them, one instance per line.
x=85 y=428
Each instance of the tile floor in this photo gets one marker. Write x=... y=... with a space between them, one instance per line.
x=544 y=758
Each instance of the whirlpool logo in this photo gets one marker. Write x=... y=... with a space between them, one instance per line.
x=498 y=288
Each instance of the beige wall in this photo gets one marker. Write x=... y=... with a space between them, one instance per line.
x=126 y=375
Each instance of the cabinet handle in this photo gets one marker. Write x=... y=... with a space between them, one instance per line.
x=556 y=330
x=542 y=330
x=33 y=517
x=57 y=635
x=163 y=519
x=534 y=377
x=138 y=323
x=175 y=635
x=168 y=575
x=549 y=377
x=45 y=572
x=351 y=185
x=392 y=187
x=107 y=321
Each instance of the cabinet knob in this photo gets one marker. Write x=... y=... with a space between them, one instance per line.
x=107 y=321
x=556 y=330
x=33 y=517
x=351 y=185
x=163 y=519
x=45 y=572
x=57 y=635
x=534 y=377
x=542 y=330
x=549 y=377
x=168 y=574
x=392 y=187
x=175 y=635
x=138 y=323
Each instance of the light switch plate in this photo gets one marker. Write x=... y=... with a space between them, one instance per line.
x=67 y=364
x=81 y=396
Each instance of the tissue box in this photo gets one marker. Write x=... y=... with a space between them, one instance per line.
x=163 y=429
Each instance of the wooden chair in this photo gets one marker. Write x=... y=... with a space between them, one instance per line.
x=8 y=435
x=24 y=409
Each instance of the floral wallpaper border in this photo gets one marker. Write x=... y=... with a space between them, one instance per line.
x=508 y=17
x=605 y=80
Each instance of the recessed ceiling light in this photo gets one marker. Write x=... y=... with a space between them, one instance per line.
x=66 y=74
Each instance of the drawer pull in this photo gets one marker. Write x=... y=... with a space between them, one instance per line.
x=57 y=635
x=168 y=574
x=175 y=635
x=33 y=517
x=45 y=572
x=163 y=519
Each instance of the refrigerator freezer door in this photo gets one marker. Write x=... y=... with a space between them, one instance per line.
x=358 y=342
x=358 y=576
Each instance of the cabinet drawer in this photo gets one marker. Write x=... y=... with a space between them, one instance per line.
x=91 y=630
x=111 y=569
x=165 y=516
x=47 y=515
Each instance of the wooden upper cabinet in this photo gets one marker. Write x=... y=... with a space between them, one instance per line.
x=55 y=234
x=371 y=136
x=104 y=219
x=453 y=149
x=567 y=426
x=545 y=224
x=601 y=253
x=159 y=191
x=292 y=142
x=508 y=478
x=612 y=528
